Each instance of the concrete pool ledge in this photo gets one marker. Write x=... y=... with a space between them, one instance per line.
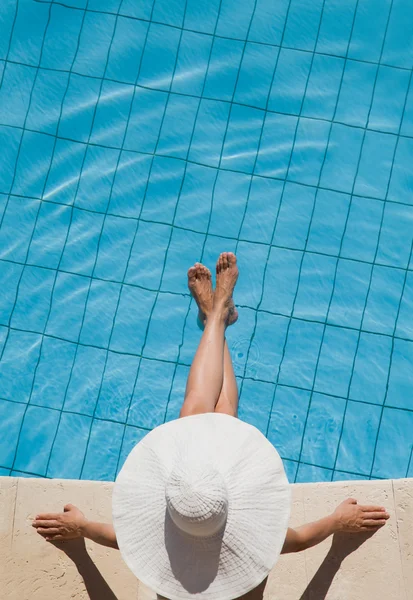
x=380 y=568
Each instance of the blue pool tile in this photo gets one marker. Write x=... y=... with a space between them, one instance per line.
x=407 y=122
x=222 y=73
x=18 y=365
x=240 y=342
x=196 y=197
x=79 y=107
x=266 y=57
x=387 y=109
x=356 y=93
x=369 y=29
x=345 y=476
x=228 y=26
x=191 y=68
x=267 y=349
x=15 y=92
x=38 y=431
x=290 y=468
x=177 y=394
x=358 y=438
x=209 y=133
x=315 y=287
x=396 y=236
x=336 y=26
x=262 y=210
x=288 y=417
x=229 y=201
x=294 y=218
x=114 y=248
x=166 y=325
x=383 y=300
x=362 y=229
x=343 y=152
x=49 y=235
x=328 y=222
x=63 y=177
x=242 y=139
x=85 y=380
x=100 y=312
x=303 y=23
x=255 y=403
x=251 y=262
x=15 y=473
x=10 y=422
x=309 y=151
x=398 y=46
x=375 y=165
x=151 y=394
x=80 y=258
x=276 y=145
x=97 y=33
x=17 y=227
x=117 y=387
x=103 y=451
x=112 y=112
x=281 y=280
x=33 y=164
x=322 y=430
x=130 y=323
x=165 y=183
x=53 y=373
x=404 y=322
x=96 y=180
x=400 y=390
x=9 y=147
x=169 y=11
x=299 y=364
x=7 y=17
x=350 y=293
x=336 y=361
x=184 y=250
x=33 y=299
x=3 y=337
x=62 y=37
x=147 y=259
x=290 y=81
x=46 y=102
x=73 y=432
x=129 y=184
x=202 y=15
x=310 y=473
x=4 y=472
x=68 y=306
x=178 y=126
x=161 y=49
x=10 y=274
x=142 y=10
x=401 y=182
x=124 y=58
x=133 y=435
x=323 y=87
x=268 y=25
x=394 y=444
x=369 y=380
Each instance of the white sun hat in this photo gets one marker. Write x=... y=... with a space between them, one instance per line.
x=201 y=508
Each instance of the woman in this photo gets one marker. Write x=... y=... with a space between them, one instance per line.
x=201 y=505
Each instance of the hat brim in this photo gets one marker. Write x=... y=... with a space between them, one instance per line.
x=229 y=564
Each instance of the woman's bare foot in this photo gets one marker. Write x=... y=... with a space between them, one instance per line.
x=227 y=275
x=200 y=286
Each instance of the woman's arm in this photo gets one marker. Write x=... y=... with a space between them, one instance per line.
x=349 y=517
x=72 y=524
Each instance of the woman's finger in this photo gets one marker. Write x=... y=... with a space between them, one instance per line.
x=373 y=508
x=48 y=531
x=374 y=523
x=55 y=538
x=47 y=517
x=375 y=515
x=45 y=523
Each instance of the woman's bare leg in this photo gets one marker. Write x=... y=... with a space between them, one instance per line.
x=206 y=377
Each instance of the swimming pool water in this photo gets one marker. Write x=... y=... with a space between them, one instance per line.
x=139 y=137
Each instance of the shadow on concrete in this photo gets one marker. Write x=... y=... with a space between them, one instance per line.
x=343 y=544
x=96 y=586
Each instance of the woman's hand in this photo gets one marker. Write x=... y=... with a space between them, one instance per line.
x=351 y=517
x=67 y=525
